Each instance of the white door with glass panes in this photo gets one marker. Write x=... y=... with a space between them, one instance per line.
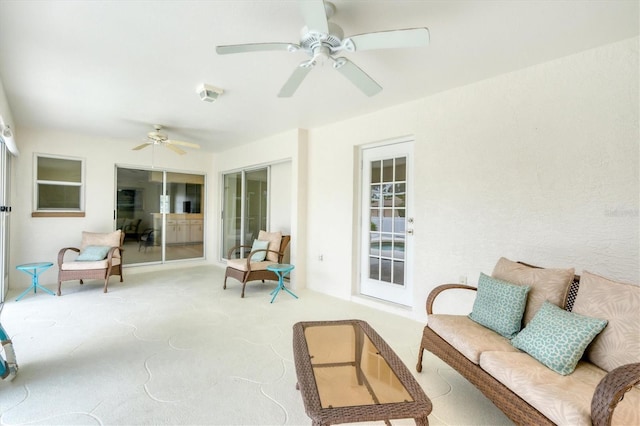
x=387 y=224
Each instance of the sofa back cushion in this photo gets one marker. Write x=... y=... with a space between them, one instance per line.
x=619 y=303
x=111 y=239
x=546 y=283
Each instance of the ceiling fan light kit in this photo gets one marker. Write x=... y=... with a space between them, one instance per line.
x=209 y=93
x=323 y=40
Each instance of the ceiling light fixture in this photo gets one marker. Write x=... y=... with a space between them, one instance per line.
x=209 y=93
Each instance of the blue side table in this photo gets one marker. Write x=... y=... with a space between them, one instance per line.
x=281 y=270
x=34 y=269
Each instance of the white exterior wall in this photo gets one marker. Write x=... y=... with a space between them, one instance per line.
x=538 y=165
x=38 y=239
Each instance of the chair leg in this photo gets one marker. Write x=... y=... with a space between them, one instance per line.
x=419 y=365
x=244 y=284
x=59 y=285
x=106 y=283
x=224 y=287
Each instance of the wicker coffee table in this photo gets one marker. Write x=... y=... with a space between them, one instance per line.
x=347 y=373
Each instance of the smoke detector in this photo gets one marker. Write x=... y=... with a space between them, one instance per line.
x=209 y=93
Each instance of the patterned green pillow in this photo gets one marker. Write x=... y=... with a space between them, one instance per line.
x=93 y=253
x=558 y=338
x=499 y=305
x=259 y=245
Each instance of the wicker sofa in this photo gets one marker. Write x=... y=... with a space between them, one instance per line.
x=526 y=390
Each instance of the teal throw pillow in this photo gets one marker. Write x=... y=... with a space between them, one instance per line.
x=499 y=305
x=93 y=253
x=259 y=245
x=558 y=338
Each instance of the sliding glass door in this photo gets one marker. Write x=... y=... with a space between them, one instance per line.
x=161 y=213
x=5 y=211
x=245 y=207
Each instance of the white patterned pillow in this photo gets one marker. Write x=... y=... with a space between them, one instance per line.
x=619 y=303
x=558 y=338
x=499 y=305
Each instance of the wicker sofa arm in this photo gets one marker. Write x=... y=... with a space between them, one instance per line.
x=439 y=289
x=610 y=392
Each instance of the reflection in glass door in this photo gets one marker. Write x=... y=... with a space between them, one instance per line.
x=245 y=207
x=184 y=222
x=386 y=241
x=161 y=213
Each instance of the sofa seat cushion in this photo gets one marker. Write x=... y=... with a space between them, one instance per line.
x=88 y=265
x=241 y=264
x=565 y=400
x=467 y=336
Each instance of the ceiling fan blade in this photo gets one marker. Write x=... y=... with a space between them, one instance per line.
x=315 y=15
x=144 y=145
x=295 y=79
x=181 y=143
x=412 y=37
x=175 y=149
x=255 y=47
x=358 y=77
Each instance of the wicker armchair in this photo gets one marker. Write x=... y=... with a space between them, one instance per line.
x=92 y=268
x=245 y=270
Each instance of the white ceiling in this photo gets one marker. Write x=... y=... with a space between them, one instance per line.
x=114 y=68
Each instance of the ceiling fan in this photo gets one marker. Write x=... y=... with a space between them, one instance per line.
x=323 y=40
x=156 y=137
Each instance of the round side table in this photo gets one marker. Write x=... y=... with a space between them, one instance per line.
x=281 y=270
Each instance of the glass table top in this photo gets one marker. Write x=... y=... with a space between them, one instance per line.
x=348 y=369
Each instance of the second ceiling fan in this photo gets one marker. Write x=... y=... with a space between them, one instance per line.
x=323 y=41
x=156 y=137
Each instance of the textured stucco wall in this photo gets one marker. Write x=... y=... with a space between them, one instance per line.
x=539 y=165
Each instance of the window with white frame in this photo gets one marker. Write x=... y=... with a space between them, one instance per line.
x=59 y=185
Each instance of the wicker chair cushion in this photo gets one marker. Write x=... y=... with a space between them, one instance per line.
x=274 y=238
x=241 y=264
x=111 y=239
x=546 y=284
x=467 y=336
x=87 y=265
x=614 y=346
x=548 y=392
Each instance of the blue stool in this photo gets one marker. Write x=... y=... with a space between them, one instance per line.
x=281 y=270
x=34 y=269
